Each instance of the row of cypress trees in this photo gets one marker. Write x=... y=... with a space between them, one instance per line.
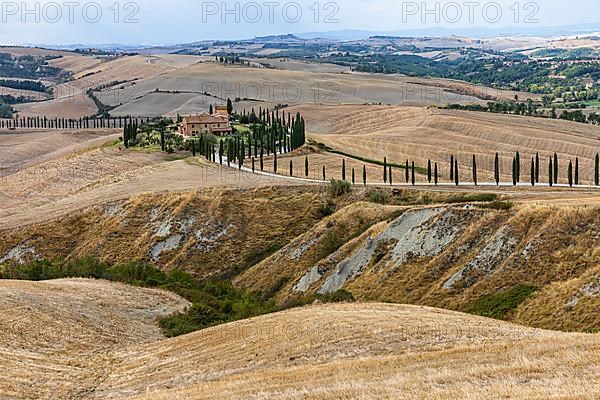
x=573 y=175
x=69 y=123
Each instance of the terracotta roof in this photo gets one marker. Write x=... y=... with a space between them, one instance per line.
x=205 y=119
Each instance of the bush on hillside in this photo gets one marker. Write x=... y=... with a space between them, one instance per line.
x=339 y=188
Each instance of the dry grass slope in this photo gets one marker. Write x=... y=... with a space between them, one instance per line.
x=360 y=351
x=58 y=336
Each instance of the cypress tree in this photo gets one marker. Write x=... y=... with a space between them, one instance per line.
x=452 y=168
x=126 y=137
x=275 y=163
x=324 y=176
x=262 y=161
x=413 y=181
x=193 y=148
x=456 y=180
x=306 y=166
x=532 y=172
x=253 y=165
x=364 y=175
x=242 y=154
x=291 y=168
x=518 y=166
x=555 y=168
x=514 y=171
x=497 y=169
x=229 y=106
x=429 y=171
x=384 y=169
x=343 y=169
x=221 y=151
x=435 y=174
x=474 y=170
x=229 y=152
x=391 y=179
x=597 y=170
x=407 y=172
x=570 y=173
x=550 y=172
x=537 y=167
x=353 y=177
x=577 y=171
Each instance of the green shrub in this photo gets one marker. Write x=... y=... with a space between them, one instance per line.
x=339 y=188
x=379 y=198
x=471 y=198
x=498 y=205
x=331 y=243
x=341 y=296
x=325 y=210
x=499 y=305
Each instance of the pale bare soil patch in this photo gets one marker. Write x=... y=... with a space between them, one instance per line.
x=294 y=86
x=31 y=94
x=72 y=103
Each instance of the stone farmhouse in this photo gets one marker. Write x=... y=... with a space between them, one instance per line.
x=202 y=124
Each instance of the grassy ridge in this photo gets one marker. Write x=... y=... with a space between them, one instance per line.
x=214 y=302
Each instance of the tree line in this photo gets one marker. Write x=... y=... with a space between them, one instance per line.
x=69 y=123
x=433 y=171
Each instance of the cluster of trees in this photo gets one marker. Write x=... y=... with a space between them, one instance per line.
x=233 y=60
x=34 y=86
x=130 y=133
x=269 y=133
x=28 y=67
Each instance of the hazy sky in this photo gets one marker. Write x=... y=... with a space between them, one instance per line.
x=177 y=21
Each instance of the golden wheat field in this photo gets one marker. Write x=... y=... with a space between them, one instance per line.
x=419 y=134
x=58 y=336
x=98 y=341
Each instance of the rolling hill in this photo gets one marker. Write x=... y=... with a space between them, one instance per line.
x=106 y=346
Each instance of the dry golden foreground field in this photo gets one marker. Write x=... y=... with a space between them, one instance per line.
x=419 y=134
x=58 y=336
x=96 y=340
x=359 y=351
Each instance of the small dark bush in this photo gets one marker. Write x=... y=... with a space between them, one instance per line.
x=498 y=205
x=379 y=198
x=498 y=305
x=339 y=188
